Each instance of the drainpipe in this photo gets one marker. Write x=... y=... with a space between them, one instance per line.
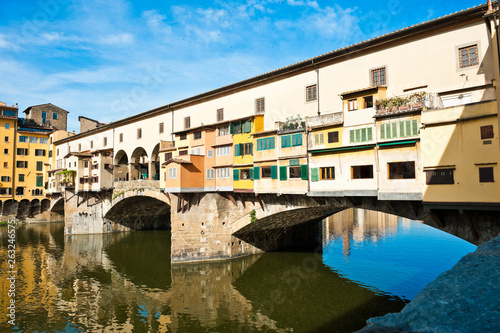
x=317 y=83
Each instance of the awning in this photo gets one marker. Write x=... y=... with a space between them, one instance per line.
x=340 y=149
x=396 y=143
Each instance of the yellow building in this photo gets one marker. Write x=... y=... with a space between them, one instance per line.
x=460 y=156
x=8 y=127
x=32 y=150
x=243 y=169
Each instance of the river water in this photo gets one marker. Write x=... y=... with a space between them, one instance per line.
x=370 y=264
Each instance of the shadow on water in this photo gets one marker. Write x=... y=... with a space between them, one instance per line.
x=300 y=293
x=143 y=257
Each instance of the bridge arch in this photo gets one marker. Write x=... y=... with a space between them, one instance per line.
x=155 y=163
x=140 y=210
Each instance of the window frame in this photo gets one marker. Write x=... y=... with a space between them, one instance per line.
x=487 y=132
x=312 y=92
x=381 y=80
x=260 y=105
x=220 y=114
x=187 y=123
x=468 y=49
x=486 y=174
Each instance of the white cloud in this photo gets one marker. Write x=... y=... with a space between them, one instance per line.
x=4 y=43
x=156 y=23
x=117 y=39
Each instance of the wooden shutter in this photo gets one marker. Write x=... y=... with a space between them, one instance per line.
x=487 y=132
x=272 y=143
x=236 y=150
x=274 y=172
x=314 y=174
x=283 y=171
x=382 y=131
x=352 y=136
x=256 y=173
x=236 y=174
x=231 y=128
x=303 y=172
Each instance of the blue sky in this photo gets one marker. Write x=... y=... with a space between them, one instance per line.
x=108 y=59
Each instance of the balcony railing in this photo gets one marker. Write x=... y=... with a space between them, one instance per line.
x=406 y=103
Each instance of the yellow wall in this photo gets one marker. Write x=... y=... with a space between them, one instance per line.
x=325 y=130
x=6 y=158
x=459 y=145
x=30 y=173
x=380 y=94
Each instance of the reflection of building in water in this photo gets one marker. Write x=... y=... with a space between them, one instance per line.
x=358 y=225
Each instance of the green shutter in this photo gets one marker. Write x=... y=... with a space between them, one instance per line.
x=231 y=128
x=259 y=144
x=251 y=148
x=408 y=128
x=39 y=166
x=303 y=172
x=283 y=175
x=314 y=174
x=251 y=173
x=414 y=127
x=272 y=143
x=50 y=153
x=358 y=135
x=256 y=173
x=236 y=174
x=382 y=131
x=274 y=172
x=299 y=139
x=247 y=126
x=242 y=149
x=394 y=131
x=351 y=134
x=39 y=180
x=236 y=150
x=369 y=133
x=363 y=134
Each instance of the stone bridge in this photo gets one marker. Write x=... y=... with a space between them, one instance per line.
x=224 y=225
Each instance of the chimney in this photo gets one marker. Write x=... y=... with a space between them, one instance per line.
x=490 y=7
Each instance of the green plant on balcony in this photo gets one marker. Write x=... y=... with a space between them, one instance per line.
x=68 y=177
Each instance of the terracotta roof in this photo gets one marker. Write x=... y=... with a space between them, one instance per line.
x=265 y=132
x=176 y=160
x=361 y=90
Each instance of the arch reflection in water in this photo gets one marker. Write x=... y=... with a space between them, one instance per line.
x=387 y=253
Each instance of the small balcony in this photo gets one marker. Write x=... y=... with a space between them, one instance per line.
x=405 y=103
x=328 y=119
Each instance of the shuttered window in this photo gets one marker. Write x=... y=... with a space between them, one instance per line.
x=274 y=172
x=283 y=175
x=304 y=175
x=486 y=175
x=487 y=132
x=440 y=176
x=361 y=135
x=333 y=137
x=314 y=174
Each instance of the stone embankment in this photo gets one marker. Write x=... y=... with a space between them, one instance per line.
x=463 y=299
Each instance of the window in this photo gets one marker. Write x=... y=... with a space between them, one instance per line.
x=408 y=128
x=244 y=174
x=487 y=132
x=20 y=191
x=311 y=93
x=266 y=143
x=368 y=101
x=79 y=147
x=183 y=136
x=57 y=152
x=187 y=122
x=266 y=172
x=286 y=141
x=223 y=151
x=7 y=139
x=486 y=175
x=39 y=180
x=120 y=137
x=44 y=140
x=319 y=139
x=333 y=136
x=220 y=114
x=105 y=141
x=139 y=133
x=44 y=115
x=362 y=172
x=50 y=140
x=7 y=125
x=50 y=153
x=440 y=176
x=161 y=128
x=33 y=139
x=378 y=77
x=39 y=152
x=6 y=151
x=91 y=144
x=183 y=152
x=224 y=173
x=21 y=164
x=223 y=130
x=248 y=148
x=401 y=170
x=235 y=128
x=54 y=116
x=5 y=164
x=22 y=151
x=468 y=56
x=39 y=166
x=22 y=138
x=172 y=173
x=327 y=173
x=353 y=104
x=197 y=135
x=5 y=179
x=210 y=173
x=361 y=135
x=294 y=172
x=210 y=153
x=259 y=105
x=85 y=164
